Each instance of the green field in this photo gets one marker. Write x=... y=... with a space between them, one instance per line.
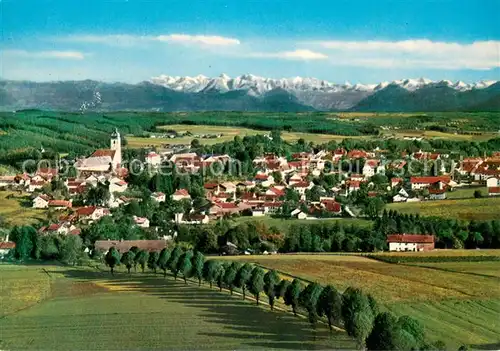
x=466 y=193
x=90 y=310
x=459 y=305
x=228 y=134
x=16 y=210
x=464 y=209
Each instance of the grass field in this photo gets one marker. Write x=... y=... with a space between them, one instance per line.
x=228 y=134
x=90 y=310
x=466 y=193
x=458 y=306
x=284 y=224
x=432 y=134
x=465 y=209
x=16 y=214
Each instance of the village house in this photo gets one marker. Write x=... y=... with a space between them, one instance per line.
x=301 y=187
x=181 y=194
x=36 y=185
x=192 y=218
x=6 y=181
x=396 y=181
x=158 y=197
x=410 y=242
x=92 y=213
x=418 y=183
x=142 y=222
x=59 y=204
x=6 y=247
x=41 y=201
x=153 y=159
x=117 y=185
x=401 y=196
x=372 y=167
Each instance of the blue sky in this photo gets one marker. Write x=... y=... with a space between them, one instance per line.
x=358 y=41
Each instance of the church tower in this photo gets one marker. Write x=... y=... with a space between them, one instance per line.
x=116 y=144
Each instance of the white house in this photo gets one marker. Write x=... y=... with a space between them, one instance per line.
x=142 y=222
x=410 y=242
x=401 y=196
x=92 y=213
x=153 y=159
x=181 y=194
x=493 y=182
x=191 y=219
x=41 y=201
x=301 y=187
x=158 y=197
x=117 y=185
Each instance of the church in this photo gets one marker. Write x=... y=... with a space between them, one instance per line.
x=103 y=160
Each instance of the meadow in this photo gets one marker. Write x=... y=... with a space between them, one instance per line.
x=89 y=309
x=284 y=224
x=463 y=209
x=15 y=209
x=457 y=303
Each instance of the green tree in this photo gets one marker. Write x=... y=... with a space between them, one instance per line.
x=112 y=259
x=243 y=276
x=71 y=249
x=198 y=263
x=414 y=327
x=384 y=333
x=128 y=260
x=330 y=305
x=174 y=259
x=292 y=295
x=281 y=288
x=210 y=270
x=357 y=314
x=309 y=298
x=219 y=276
x=256 y=283
x=271 y=281
x=230 y=274
x=185 y=266
x=141 y=258
x=163 y=261
x=153 y=260
x=23 y=237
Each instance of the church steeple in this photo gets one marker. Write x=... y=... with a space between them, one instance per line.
x=116 y=144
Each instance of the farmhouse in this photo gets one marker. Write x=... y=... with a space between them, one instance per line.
x=181 y=194
x=418 y=183
x=41 y=201
x=6 y=246
x=125 y=245
x=410 y=242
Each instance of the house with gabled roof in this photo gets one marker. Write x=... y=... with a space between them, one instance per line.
x=410 y=242
x=181 y=194
x=41 y=201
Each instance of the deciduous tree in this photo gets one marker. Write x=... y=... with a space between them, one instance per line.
x=153 y=260
x=256 y=282
x=128 y=260
x=292 y=294
x=330 y=305
x=243 y=276
x=185 y=266
x=173 y=259
x=308 y=299
x=271 y=281
x=163 y=261
x=112 y=259
x=198 y=263
x=141 y=258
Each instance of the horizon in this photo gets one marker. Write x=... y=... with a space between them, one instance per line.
x=363 y=42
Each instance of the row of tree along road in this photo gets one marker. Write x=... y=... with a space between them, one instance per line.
x=353 y=310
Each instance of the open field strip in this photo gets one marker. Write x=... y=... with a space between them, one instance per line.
x=465 y=209
x=466 y=193
x=143 y=311
x=14 y=213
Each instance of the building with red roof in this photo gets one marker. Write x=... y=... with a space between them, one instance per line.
x=410 y=242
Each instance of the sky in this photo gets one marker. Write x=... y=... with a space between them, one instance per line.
x=357 y=41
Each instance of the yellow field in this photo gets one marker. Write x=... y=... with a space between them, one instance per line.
x=14 y=213
x=228 y=134
x=389 y=283
x=467 y=209
x=457 y=302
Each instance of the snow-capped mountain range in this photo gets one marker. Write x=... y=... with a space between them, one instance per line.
x=256 y=85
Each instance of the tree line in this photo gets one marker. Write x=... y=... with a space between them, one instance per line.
x=355 y=311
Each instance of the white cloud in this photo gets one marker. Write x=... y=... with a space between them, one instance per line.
x=422 y=53
x=198 y=39
x=132 y=40
x=300 y=54
x=64 y=55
